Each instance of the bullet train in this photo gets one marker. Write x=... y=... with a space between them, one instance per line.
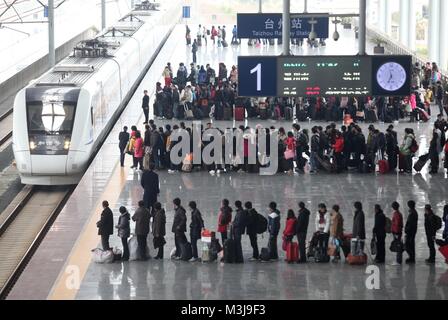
x=60 y=118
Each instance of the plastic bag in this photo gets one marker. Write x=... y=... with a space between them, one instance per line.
x=101 y=256
x=133 y=248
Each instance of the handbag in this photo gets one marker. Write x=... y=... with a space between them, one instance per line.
x=289 y=154
x=396 y=246
x=331 y=251
x=373 y=247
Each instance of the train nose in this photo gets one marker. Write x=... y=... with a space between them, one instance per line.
x=48 y=165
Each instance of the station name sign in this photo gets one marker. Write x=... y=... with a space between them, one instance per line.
x=308 y=76
x=270 y=26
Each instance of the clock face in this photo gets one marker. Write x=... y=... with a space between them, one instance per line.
x=391 y=76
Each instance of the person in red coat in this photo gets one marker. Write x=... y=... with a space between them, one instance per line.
x=224 y=218
x=138 y=151
x=290 y=228
x=338 y=148
x=397 y=230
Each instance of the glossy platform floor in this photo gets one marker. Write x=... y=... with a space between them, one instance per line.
x=62 y=269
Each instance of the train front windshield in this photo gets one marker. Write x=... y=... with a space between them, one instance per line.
x=50 y=117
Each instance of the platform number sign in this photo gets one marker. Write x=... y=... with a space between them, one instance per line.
x=257 y=76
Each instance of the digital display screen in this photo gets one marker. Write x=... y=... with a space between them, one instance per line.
x=324 y=76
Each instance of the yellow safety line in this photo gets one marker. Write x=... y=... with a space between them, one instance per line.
x=70 y=278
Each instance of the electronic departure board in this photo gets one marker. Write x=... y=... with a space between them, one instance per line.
x=324 y=76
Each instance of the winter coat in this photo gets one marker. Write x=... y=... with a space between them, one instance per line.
x=397 y=222
x=222 y=225
x=429 y=225
x=337 y=224
x=106 y=223
x=158 y=223
x=124 y=229
x=379 y=228
x=325 y=225
x=405 y=148
x=251 y=221
x=274 y=223
x=303 y=219
x=123 y=139
x=141 y=218
x=138 y=148
x=239 y=222
x=150 y=185
x=338 y=145
x=315 y=145
x=197 y=224
x=179 y=221
x=359 y=230
x=411 y=223
x=290 y=228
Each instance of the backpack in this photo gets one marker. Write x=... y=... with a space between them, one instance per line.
x=388 y=225
x=437 y=221
x=414 y=146
x=261 y=223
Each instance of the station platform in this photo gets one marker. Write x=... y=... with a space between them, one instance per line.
x=62 y=268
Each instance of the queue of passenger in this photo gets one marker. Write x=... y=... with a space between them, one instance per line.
x=325 y=243
x=326 y=149
x=203 y=93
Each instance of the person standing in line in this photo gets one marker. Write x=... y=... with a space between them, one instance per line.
x=124 y=231
x=204 y=34
x=359 y=230
x=196 y=226
x=379 y=233
x=303 y=219
x=123 y=139
x=322 y=223
x=194 y=49
x=138 y=151
x=336 y=231
x=239 y=225
x=150 y=185
x=158 y=228
x=430 y=230
x=273 y=229
x=224 y=219
x=105 y=225
x=187 y=35
x=141 y=218
x=179 y=227
x=397 y=230
x=251 y=229
x=410 y=231
x=145 y=105
x=223 y=33
x=439 y=97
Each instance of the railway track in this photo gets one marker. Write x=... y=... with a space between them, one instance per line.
x=23 y=228
x=5 y=127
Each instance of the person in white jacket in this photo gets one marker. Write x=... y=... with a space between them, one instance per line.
x=322 y=222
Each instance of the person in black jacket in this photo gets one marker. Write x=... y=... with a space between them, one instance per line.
x=410 y=231
x=431 y=231
x=123 y=139
x=158 y=228
x=105 y=225
x=303 y=219
x=273 y=228
x=150 y=184
x=379 y=233
x=145 y=105
x=196 y=226
x=179 y=227
x=359 y=228
x=142 y=217
x=251 y=229
x=239 y=225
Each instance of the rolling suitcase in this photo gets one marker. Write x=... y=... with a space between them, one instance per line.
x=444 y=251
x=224 y=43
x=239 y=113
x=326 y=164
x=383 y=166
x=321 y=255
x=300 y=114
x=292 y=252
x=229 y=251
x=188 y=113
x=418 y=166
x=186 y=252
x=357 y=260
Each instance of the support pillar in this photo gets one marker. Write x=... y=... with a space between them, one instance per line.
x=434 y=32
x=362 y=27
x=412 y=25
x=260 y=6
x=305 y=6
x=103 y=14
x=443 y=21
x=51 y=51
x=286 y=36
x=404 y=21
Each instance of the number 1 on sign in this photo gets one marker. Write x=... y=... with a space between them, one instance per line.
x=257 y=69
